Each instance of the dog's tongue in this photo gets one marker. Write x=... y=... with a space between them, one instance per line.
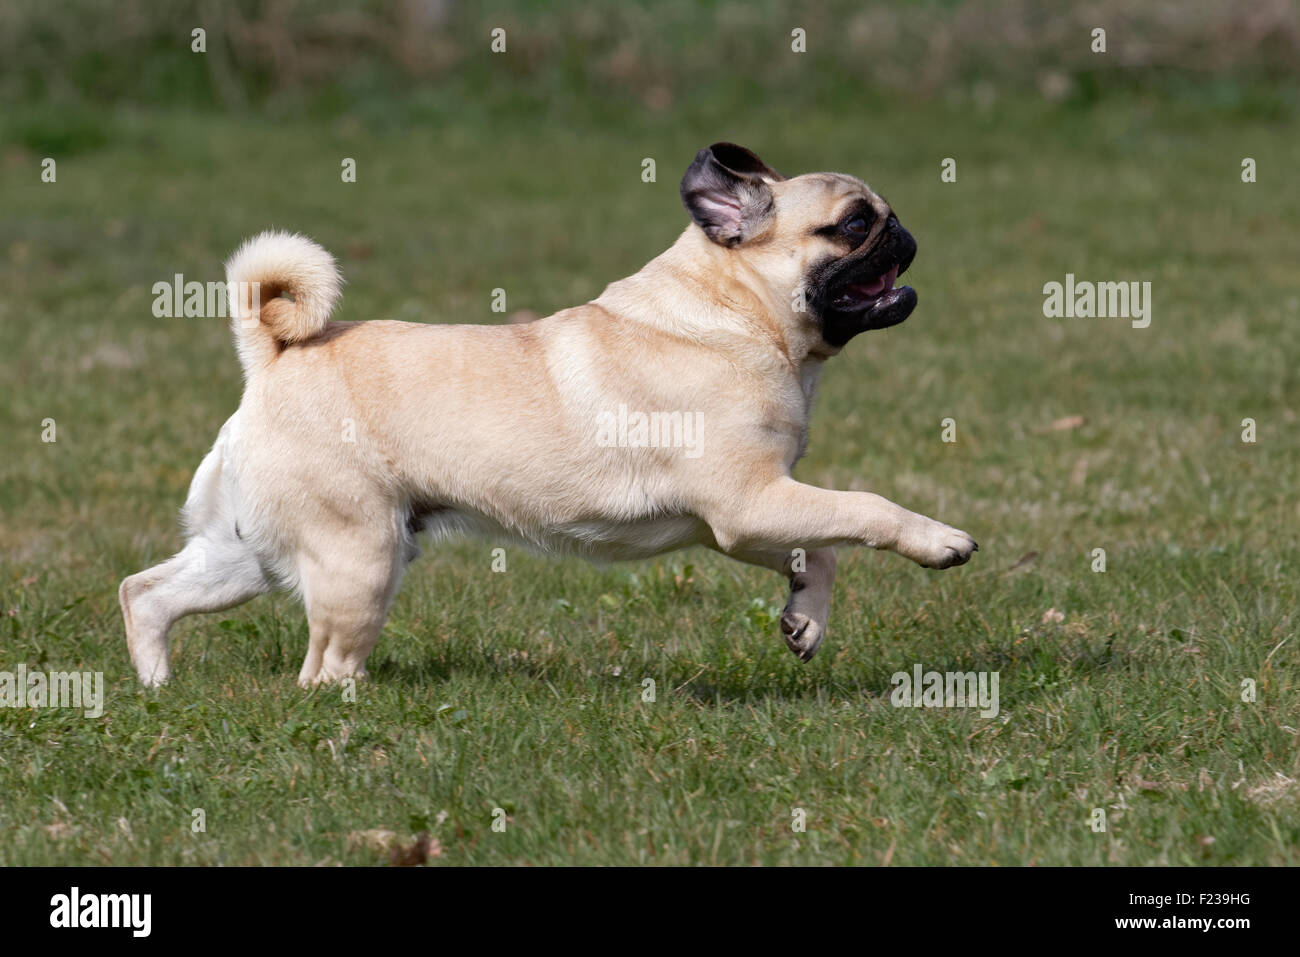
x=868 y=290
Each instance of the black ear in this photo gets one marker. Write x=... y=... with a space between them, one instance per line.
x=726 y=190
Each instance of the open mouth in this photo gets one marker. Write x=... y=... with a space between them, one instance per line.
x=859 y=296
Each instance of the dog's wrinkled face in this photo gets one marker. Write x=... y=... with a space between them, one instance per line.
x=852 y=289
x=823 y=242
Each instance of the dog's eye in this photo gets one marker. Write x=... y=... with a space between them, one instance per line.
x=853 y=228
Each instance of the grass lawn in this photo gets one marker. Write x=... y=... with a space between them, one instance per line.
x=524 y=691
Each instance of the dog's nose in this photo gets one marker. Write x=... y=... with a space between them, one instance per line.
x=902 y=245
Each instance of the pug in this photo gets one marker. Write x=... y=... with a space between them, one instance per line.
x=668 y=412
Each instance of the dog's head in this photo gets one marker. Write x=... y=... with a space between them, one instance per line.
x=823 y=243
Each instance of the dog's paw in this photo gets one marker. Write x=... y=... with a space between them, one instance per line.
x=936 y=545
x=325 y=676
x=802 y=634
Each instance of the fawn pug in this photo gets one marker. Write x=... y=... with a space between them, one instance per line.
x=354 y=437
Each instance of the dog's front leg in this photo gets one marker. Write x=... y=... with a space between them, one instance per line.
x=784 y=514
x=812 y=577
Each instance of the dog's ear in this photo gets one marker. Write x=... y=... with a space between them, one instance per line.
x=727 y=192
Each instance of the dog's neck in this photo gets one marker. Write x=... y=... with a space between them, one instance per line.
x=699 y=290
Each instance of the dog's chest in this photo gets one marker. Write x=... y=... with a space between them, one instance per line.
x=809 y=377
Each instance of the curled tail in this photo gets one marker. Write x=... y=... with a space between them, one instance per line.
x=282 y=287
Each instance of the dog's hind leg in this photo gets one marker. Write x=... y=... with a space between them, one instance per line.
x=208 y=574
x=812 y=578
x=348 y=584
x=217 y=568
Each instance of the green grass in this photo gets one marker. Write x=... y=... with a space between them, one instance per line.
x=523 y=690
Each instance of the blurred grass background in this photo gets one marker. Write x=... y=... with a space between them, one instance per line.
x=287 y=56
x=523 y=170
